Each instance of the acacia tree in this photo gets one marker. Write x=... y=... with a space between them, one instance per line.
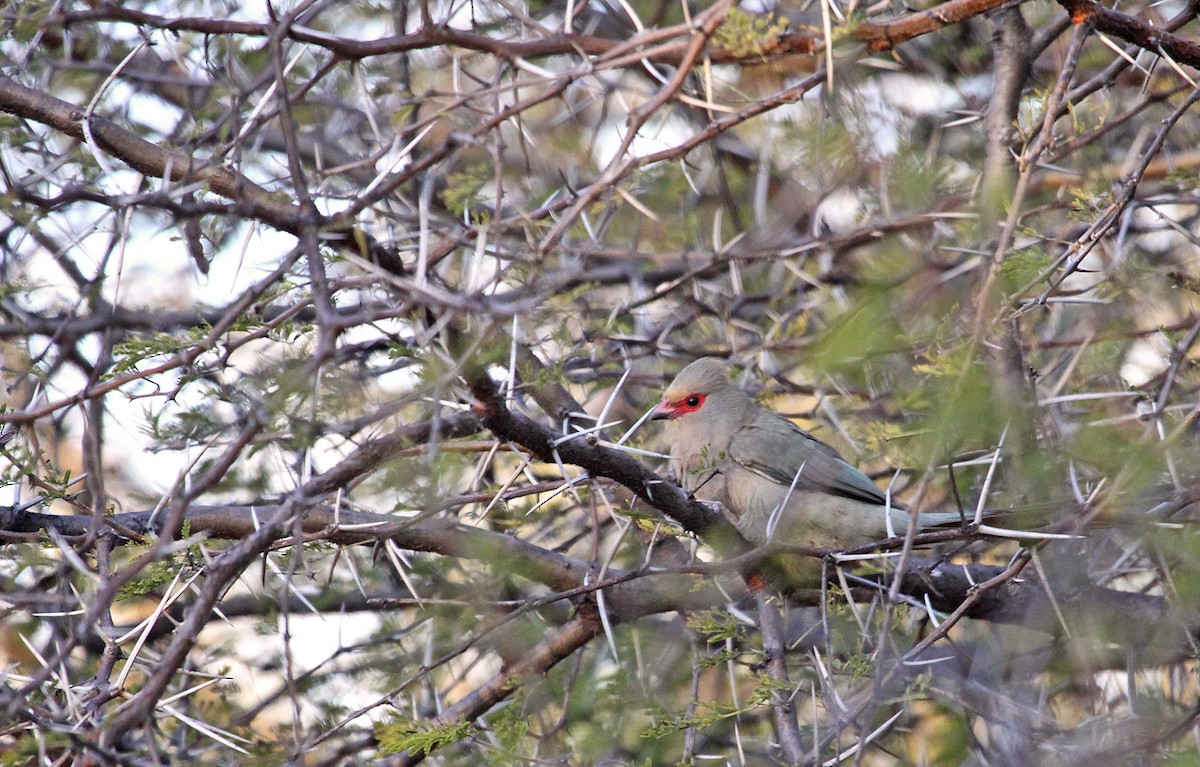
x=325 y=328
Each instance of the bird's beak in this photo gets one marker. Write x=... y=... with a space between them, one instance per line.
x=662 y=411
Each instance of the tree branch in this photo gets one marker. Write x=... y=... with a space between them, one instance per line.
x=160 y=162
x=1134 y=30
x=559 y=645
x=602 y=461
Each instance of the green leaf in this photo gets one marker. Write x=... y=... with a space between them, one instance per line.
x=407 y=735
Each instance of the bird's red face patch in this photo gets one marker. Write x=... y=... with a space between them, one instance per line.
x=688 y=404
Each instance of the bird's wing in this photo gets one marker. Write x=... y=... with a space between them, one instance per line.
x=776 y=449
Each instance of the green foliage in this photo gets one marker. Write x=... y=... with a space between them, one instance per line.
x=462 y=192
x=915 y=182
x=400 y=735
x=857 y=665
x=510 y=726
x=198 y=423
x=716 y=625
x=950 y=363
x=55 y=482
x=705 y=468
x=20 y=285
x=397 y=350
x=744 y=34
x=710 y=713
x=400 y=118
x=291 y=332
x=1114 y=452
x=136 y=349
x=829 y=152
x=720 y=657
x=861 y=334
x=608 y=709
x=1179 y=546
x=1021 y=267
x=162 y=571
x=707 y=714
x=949 y=739
x=966 y=414
x=1031 y=112
x=24 y=21
x=157 y=574
x=1187 y=758
x=654 y=523
x=25 y=749
x=1090 y=200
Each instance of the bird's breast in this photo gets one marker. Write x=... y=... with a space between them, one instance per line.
x=700 y=474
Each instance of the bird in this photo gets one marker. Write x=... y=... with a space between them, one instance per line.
x=777 y=482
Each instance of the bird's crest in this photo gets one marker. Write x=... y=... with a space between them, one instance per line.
x=704 y=376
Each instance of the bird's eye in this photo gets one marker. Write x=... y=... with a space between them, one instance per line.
x=693 y=401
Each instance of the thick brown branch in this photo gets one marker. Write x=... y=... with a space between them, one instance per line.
x=146 y=157
x=638 y=596
x=882 y=36
x=1129 y=617
x=1134 y=30
x=602 y=461
x=160 y=162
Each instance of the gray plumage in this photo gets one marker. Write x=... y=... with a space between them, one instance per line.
x=776 y=480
